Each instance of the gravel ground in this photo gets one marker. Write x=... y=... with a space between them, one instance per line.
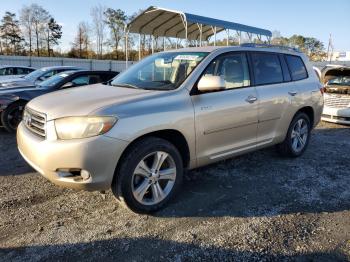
x=257 y=207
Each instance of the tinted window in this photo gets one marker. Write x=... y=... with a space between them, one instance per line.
x=267 y=68
x=296 y=67
x=94 y=79
x=81 y=80
x=7 y=71
x=233 y=68
x=22 y=71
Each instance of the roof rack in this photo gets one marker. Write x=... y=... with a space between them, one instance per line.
x=273 y=46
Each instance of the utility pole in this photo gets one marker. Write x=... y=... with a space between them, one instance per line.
x=330 y=49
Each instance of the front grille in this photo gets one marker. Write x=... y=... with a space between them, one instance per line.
x=337 y=101
x=35 y=122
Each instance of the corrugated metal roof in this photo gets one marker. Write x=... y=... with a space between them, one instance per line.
x=171 y=23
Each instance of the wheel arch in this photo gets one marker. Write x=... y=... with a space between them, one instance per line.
x=309 y=111
x=172 y=135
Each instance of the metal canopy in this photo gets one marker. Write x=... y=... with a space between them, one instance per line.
x=162 y=22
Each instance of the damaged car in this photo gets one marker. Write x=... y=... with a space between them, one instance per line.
x=336 y=94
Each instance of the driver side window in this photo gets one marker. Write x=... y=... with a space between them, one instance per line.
x=232 y=68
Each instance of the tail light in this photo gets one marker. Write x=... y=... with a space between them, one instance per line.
x=322 y=90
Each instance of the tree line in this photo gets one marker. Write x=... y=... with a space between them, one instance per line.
x=36 y=32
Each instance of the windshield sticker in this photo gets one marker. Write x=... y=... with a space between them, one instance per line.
x=187 y=57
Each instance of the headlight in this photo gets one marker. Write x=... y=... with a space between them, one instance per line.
x=82 y=127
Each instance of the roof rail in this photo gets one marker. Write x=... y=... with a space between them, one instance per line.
x=273 y=46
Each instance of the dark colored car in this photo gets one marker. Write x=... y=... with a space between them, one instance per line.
x=14 y=99
x=35 y=77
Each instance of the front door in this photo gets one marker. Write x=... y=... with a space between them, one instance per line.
x=226 y=120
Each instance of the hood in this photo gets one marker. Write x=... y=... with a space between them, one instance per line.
x=16 y=89
x=82 y=101
x=15 y=82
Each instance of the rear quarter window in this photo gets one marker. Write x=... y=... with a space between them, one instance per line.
x=296 y=67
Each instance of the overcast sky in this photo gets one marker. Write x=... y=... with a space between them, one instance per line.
x=316 y=18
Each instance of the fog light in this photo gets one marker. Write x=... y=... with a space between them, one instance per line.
x=85 y=174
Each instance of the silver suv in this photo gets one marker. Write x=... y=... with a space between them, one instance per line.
x=173 y=111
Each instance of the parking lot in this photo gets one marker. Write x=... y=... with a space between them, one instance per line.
x=258 y=206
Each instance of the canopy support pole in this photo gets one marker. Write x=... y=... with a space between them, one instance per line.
x=239 y=33
x=184 y=21
x=228 y=36
x=200 y=28
x=164 y=43
x=259 y=37
x=186 y=32
x=214 y=31
x=250 y=36
x=152 y=44
x=126 y=49
x=139 y=47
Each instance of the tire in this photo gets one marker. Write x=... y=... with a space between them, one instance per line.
x=12 y=116
x=287 y=147
x=137 y=180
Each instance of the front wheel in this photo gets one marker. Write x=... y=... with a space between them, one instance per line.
x=150 y=174
x=12 y=116
x=298 y=136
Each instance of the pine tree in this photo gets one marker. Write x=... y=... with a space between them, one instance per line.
x=10 y=34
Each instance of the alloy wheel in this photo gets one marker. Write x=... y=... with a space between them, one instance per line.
x=299 y=135
x=153 y=178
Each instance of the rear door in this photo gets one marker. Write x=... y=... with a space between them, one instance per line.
x=275 y=93
x=226 y=120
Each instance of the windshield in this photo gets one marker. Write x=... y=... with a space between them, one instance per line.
x=340 y=80
x=162 y=71
x=53 y=80
x=34 y=75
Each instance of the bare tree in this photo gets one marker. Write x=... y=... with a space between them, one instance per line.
x=82 y=41
x=26 y=20
x=99 y=26
x=36 y=18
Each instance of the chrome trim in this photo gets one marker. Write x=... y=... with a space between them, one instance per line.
x=37 y=122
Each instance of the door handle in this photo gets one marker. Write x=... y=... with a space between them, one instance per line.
x=251 y=99
x=292 y=93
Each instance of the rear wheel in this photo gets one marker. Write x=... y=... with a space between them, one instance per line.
x=150 y=174
x=297 y=138
x=12 y=116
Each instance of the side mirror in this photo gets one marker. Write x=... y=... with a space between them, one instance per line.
x=68 y=84
x=211 y=83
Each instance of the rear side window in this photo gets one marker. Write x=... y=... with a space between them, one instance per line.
x=267 y=68
x=296 y=67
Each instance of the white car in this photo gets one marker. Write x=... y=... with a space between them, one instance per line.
x=337 y=94
x=8 y=71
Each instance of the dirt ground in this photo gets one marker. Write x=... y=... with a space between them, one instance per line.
x=257 y=207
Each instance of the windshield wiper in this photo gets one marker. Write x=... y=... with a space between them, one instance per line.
x=125 y=85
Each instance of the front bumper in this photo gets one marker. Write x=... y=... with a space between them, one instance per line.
x=336 y=115
x=52 y=158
